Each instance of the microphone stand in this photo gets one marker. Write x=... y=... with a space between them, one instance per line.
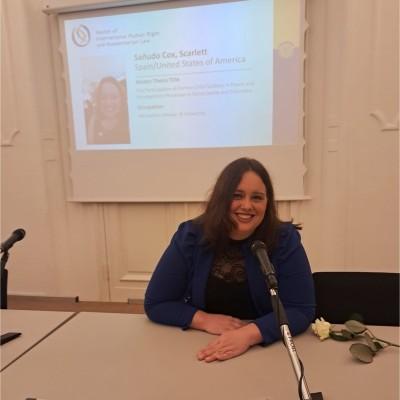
x=4 y=280
x=288 y=341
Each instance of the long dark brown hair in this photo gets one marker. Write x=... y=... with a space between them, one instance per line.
x=216 y=221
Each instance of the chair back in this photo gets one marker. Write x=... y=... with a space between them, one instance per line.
x=374 y=296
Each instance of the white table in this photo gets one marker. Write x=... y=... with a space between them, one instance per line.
x=124 y=356
x=33 y=325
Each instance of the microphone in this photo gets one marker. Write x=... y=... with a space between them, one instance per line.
x=16 y=236
x=260 y=251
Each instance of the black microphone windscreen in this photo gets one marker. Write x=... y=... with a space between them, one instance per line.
x=19 y=233
x=257 y=245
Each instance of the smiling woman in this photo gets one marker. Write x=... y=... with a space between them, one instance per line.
x=248 y=206
x=107 y=114
x=208 y=278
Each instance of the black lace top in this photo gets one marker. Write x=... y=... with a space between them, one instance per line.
x=227 y=290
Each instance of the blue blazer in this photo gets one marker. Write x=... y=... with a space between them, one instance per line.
x=177 y=287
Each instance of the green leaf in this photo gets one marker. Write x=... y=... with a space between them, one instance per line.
x=355 y=326
x=356 y=316
x=379 y=345
x=347 y=334
x=370 y=343
x=338 y=336
x=362 y=352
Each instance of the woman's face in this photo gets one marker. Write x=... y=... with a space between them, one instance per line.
x=110 y=100
x=248 y=205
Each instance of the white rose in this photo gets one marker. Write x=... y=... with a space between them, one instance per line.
x=321 y=328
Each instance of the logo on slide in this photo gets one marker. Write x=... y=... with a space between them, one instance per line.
x=81 y=35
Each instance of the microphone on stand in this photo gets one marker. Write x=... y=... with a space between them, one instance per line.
x=259 y=249
x=16 y=236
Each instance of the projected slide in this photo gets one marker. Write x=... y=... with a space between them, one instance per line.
x=173 y=79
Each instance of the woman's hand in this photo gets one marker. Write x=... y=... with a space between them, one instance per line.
x=215 y=323
x=231 y=344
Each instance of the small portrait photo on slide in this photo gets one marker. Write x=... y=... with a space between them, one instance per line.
x=106 y=112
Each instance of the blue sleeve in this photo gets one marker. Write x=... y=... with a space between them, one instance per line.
x=165 y=295
x=295 y=287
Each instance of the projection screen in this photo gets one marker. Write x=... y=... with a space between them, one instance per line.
x=161 y=96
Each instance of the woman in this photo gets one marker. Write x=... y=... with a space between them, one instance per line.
x=109 y=121
x=208 y=278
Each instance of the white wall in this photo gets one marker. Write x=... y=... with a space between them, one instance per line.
x=107 y=251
